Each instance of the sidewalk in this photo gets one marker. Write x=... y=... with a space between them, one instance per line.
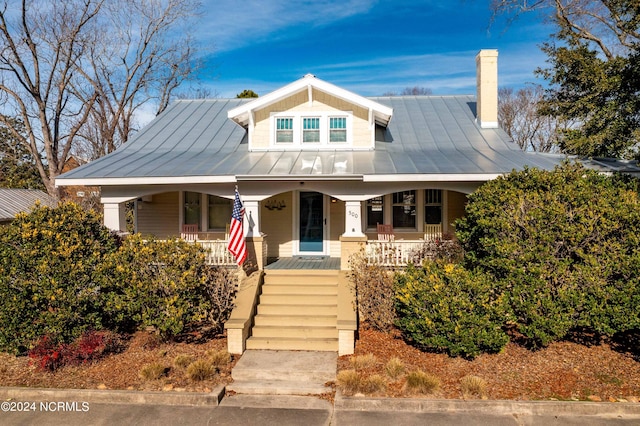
x=96 y=407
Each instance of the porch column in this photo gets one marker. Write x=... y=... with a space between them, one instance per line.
x=353 y=219
x=252 y=217
x=114 y=216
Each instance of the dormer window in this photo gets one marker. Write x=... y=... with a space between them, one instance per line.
x=323 y=129
x=311 y=130
x=337 y=129
x=284 y=130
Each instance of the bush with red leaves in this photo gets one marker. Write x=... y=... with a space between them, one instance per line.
x=90 y=346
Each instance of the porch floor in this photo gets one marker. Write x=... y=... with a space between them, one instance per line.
x=305 y=262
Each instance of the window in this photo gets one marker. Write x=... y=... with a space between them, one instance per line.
x=192 y=208
x=404 y=209
x=433 y=206
x=295 y=129
x=311 y=130
x=375 y=211
x=284 y=130
x=219 y=212
x=337 y=129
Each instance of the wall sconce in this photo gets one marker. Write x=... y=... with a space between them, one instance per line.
x=275 y=205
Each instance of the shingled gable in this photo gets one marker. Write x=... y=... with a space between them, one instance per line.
x=243 y=114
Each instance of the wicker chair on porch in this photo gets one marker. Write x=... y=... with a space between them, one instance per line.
x=189 y=232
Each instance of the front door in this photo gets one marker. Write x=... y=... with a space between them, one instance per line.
x=312 y=223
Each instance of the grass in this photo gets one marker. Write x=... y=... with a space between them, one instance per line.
x=349 y=382
x=218 y=358
x=394 y=368
x=361 y=362
x=201 y=370
x=420 y=382
x=182 y=361
x=153 y=371
x=473 y=386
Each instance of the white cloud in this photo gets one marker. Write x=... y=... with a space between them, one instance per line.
x=232 y=24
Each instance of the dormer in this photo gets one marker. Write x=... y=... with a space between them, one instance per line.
x=311 y=114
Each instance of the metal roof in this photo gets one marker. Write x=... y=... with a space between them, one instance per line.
x=428 y=136
x=14 y=201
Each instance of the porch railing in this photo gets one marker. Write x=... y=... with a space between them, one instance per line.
x=217 y=253
x=399 y=253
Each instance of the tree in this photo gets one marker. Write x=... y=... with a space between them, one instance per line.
x=519 y=116
x=77 y=71
x=247 y=93
x=594 y=72
x=17 y=167
x=411 y=91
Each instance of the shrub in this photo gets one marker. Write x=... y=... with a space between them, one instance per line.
x=373 y=286
x=394 y=368
x=153 y=371
x=90 y=346
x=159 y=284
x=421 y=382
x=49 y=259
x=446 y=250
x=561 y=246
x=448 y=308
x=473 y=386
x=201 y=370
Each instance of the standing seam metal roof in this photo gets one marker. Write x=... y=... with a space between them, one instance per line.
x=426 y=135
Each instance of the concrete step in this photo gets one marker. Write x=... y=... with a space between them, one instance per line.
x=331 y=288
x=278 y=388
x=289 y=344
x=294 y=331
x=309 y=310
x=299 y=299
x=300 y=320
x=286 y=366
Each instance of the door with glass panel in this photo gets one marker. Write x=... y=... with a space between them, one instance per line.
x=311 y=223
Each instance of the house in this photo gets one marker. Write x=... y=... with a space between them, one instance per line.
x=318 y=168
x=14 y=201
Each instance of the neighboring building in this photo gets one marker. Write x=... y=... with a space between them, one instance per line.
x=318 y=167
x=14 y=201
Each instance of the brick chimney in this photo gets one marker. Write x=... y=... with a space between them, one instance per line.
x=487 y=88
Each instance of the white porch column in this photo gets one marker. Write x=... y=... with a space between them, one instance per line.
x=252 y=217
x=114 y=216
x=353 y=219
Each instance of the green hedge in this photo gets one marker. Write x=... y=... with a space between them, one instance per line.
x=445 y=307
x=62 y=272
x=562 y=247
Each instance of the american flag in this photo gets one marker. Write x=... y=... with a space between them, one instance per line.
x=236 y=244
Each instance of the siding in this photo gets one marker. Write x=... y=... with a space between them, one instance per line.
x=277 y=225
x=160 y=217
x=322 y=102
x=456 y=203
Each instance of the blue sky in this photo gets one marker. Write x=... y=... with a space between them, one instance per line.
x=368 y=47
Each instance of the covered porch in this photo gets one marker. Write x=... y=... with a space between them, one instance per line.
x=288 y=220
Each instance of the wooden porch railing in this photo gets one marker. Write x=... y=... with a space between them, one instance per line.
x=217 y=253
x=399 y=253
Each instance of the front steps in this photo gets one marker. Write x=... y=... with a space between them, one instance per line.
x=297 y=310
x=266 y=372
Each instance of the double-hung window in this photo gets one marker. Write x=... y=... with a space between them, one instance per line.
x=433 y=206
x=337 y=129
x=404 y=209
x=284 y=130
x=311 y=130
